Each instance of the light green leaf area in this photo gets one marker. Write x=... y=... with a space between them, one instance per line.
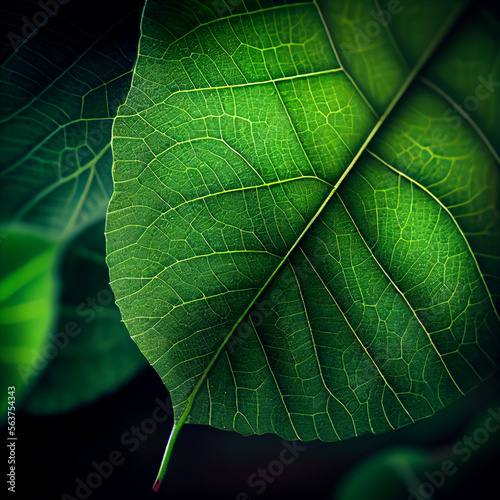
x=433 y=137
x=28 y=289
x=59 y=93
x=97 y=355
x=286 y=246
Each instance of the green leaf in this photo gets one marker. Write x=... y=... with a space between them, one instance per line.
x=97 y=355
x=28 y=288
x=292 y=246
x=60 y=90
x=388 y=474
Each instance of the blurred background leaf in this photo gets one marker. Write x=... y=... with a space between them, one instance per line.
x=28 y=290
x=65 y=70
x=60 y=90
x=387 y=474
x=100 y=356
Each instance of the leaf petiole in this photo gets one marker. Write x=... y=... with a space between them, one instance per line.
x=170 y=446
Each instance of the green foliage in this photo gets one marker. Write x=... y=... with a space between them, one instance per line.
x=388 y=475
x=60 y=90
x=304 y=234
x=28 y=290
x=55 y=126
x=301 y=238
x=98 y=356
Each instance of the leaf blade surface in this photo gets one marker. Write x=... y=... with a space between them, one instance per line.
x=255 y=210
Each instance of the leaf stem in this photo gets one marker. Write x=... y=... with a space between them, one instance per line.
x=166 y=456
x=170 y=445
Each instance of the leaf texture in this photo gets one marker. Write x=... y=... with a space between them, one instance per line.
x=291 y=244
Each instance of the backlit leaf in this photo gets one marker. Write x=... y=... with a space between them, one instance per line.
x=301 y=241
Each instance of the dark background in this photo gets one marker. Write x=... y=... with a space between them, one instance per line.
x=211 y=464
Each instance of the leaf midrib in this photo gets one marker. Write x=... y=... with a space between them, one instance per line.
x=189 y=401
x=411 y=77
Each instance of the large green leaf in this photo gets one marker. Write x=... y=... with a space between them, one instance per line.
x=301 y=240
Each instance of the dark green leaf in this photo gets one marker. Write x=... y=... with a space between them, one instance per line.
x=292 y=245
x=61 y=85
x=60 y=90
